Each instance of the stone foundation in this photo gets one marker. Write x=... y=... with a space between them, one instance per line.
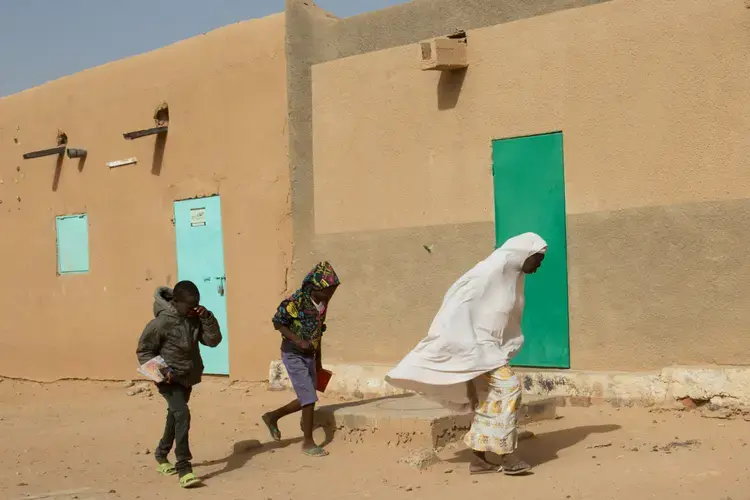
x=718 y=386
x=410 y=421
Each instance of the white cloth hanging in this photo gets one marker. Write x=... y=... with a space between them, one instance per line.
x=476 y=330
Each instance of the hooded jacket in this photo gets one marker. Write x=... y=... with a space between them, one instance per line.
x=175 y=338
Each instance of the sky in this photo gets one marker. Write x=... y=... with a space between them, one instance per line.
x=41 y=40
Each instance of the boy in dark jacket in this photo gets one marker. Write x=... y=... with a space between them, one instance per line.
x=180 y=323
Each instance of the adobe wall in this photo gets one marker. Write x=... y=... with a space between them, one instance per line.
x=653 y=99
x=227 y=136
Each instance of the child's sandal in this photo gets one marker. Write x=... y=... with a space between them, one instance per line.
x=273 y=429
x=166 y=469
x=190 y=480
x=315 y=452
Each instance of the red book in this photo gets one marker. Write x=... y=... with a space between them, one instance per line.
x=324 y=376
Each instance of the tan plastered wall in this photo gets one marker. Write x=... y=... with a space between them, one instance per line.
x=227 y=136
x=653 y=99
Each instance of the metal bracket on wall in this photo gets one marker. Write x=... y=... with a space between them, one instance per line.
x=62 y=146
x=77 y=153
x=143 y=133
x=45 y=152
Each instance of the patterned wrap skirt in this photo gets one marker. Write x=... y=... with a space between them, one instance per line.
x=495 y=423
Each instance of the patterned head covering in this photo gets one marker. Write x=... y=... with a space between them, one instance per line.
x=299 y=312
x=322 y=276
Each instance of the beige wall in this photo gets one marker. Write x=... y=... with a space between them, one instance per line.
x=653 y=99
x=227 y=135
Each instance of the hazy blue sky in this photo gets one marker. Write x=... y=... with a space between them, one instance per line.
x=41 y=40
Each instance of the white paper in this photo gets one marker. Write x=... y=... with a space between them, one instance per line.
x=197 y=217
x=151 y=369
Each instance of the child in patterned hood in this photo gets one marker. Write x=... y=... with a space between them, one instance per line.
x=301 y=320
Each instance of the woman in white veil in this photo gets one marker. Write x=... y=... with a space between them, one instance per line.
x=463 y=361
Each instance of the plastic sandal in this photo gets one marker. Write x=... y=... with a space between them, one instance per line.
x=166 y=469
x=494 y=469
x=315 y=452
x=512 y=466
x=509 y=467
x=189 y=480
x=272 y=429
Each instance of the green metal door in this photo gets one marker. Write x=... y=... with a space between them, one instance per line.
x=530 y=197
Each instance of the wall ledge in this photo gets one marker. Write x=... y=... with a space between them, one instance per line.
x=713 y=387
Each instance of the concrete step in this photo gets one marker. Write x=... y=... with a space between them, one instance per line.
x=411 y=421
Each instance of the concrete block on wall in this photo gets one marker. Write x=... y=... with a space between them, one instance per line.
x=444 y=54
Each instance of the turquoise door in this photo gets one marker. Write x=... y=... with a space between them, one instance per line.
x=530 y=197
x=200 y=259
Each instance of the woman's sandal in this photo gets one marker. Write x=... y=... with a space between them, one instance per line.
x=190 y=480
x=166 y=469
x=509 y=466
x=475 y=469
x=512 y=466
x=315 y=452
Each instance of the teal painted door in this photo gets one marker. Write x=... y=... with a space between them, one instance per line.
x=200 y=259
x=530 y=197
x=72 y=244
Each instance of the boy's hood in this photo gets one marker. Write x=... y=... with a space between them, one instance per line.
x=163 y=302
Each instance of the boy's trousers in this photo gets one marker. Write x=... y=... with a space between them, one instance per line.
x=177 y=427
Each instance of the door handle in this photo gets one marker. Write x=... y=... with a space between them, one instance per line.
x=220 y=288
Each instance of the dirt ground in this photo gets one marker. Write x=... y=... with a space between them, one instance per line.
x=90 y=440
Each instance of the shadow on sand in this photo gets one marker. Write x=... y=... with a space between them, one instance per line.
x=242 y=453
x=543 y=448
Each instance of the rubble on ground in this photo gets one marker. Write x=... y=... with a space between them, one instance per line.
x=421 y=459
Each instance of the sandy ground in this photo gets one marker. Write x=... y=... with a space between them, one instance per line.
x=91 y=441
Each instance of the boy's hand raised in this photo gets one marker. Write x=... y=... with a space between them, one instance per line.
x=202 y=312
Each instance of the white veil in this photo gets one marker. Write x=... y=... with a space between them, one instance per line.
x=476 y=330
